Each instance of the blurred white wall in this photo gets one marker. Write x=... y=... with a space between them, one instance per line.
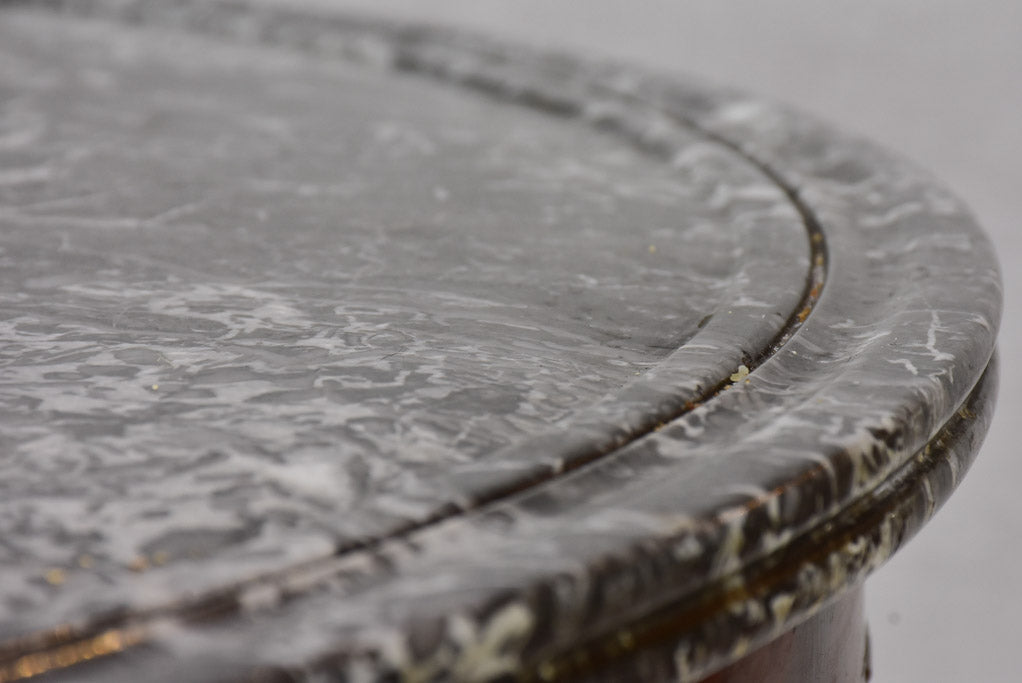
x=941 y=82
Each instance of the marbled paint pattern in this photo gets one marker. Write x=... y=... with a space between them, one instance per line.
x=444 y=392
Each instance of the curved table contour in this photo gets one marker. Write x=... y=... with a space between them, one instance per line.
x=337 y=349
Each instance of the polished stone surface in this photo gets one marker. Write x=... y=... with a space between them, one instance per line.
x=243 y=342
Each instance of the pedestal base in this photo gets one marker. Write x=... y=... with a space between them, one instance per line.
x=832 y=646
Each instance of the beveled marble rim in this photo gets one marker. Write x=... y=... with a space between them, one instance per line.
x=885 y=451
x=844 y=552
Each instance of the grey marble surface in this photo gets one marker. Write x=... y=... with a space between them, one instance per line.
x=235 y=476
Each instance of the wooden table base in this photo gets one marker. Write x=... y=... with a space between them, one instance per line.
x=833 y=646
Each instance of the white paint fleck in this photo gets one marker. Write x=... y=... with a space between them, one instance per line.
x=781 y=606
x=931 y=339
x=906 y=363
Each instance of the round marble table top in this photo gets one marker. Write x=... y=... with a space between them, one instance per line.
x=347 y=349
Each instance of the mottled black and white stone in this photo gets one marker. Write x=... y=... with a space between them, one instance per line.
x=341 y=350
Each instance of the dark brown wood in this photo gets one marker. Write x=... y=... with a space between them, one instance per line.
x=833 y=646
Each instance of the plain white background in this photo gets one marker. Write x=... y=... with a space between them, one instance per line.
x=939 y=81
